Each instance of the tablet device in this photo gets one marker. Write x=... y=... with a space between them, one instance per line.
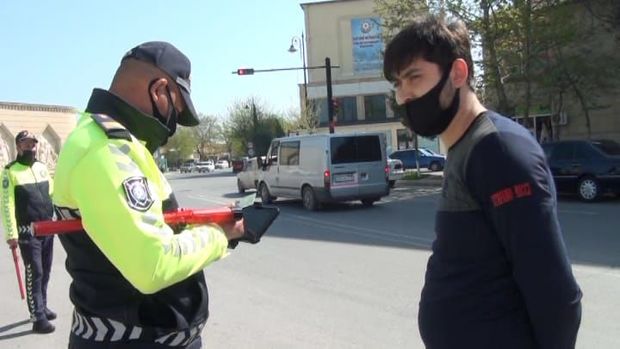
x=256 y=220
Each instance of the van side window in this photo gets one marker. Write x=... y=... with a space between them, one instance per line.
x=289 y=153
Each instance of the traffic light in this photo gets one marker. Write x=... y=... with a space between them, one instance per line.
x=336 y=105
x=245 y=71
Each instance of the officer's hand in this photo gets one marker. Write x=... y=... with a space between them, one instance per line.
x=234 y=231
x=12 y=243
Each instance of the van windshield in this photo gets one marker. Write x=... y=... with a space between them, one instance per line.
x=351 y=149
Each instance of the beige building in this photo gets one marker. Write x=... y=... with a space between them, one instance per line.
x=350 y=34
x=50 y=123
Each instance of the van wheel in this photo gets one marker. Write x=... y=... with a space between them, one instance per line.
x=308 y=198
x=435 y=166
x=264 y=194
x=240 y=187
x=588 y=189
x=369 y=202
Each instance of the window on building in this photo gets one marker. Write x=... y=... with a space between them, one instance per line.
x=347 y=109
x=375 y=107
x=289 y=153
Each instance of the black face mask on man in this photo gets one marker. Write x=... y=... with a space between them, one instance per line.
x=425 y=115
x=171 y=121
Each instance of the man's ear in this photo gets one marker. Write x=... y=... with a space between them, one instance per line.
x=460 y=72
x=157 y=88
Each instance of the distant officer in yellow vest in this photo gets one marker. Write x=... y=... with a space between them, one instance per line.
x=26 y=198
x=136 y=282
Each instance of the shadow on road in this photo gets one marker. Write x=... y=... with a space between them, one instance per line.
x=590 y=230
x=9 y=327
x=341 y=222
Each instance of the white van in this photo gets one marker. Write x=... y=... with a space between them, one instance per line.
x=322 y=168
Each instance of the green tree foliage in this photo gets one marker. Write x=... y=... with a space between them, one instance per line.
x=250 y=123
x=181 y=146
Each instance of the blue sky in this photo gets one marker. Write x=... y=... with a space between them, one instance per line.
x=55 y=52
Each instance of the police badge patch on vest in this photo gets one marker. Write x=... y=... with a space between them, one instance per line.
x=137 y=193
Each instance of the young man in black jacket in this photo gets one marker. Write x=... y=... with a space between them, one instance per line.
x=499 y=275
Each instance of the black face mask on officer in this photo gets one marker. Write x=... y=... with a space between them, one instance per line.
x=171 y=121
x=27 y=157
x=425 y=115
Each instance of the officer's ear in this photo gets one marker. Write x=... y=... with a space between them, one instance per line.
x=157 y=89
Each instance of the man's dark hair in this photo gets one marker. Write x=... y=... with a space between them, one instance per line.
x=433 y=39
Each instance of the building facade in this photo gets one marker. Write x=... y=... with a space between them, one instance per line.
x=50 y=123
x=349 y=32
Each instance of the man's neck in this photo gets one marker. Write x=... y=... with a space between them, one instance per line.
x=469 y=108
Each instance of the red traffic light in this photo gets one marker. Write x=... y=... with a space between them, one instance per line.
x=245 y=71
x=336 y=105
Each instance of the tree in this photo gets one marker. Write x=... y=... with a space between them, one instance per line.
x=306 y=120
x=207 y=134
x=533 y=51
x=250 y=123
x=180 y=146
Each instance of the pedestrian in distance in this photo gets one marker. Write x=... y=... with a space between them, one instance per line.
x=136 y=282
x=26 y=198
x=499 y=275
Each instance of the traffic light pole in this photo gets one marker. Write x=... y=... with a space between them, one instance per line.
x=328 y=81
x=330 y=105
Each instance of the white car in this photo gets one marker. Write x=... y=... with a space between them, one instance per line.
x=222 y=164
x=248 y=176
x=396 y=171
x=205 y=166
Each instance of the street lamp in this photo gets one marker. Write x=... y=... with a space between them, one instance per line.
x=300 y=42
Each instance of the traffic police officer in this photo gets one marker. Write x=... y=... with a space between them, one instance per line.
x=136 y=282
x=26 y=198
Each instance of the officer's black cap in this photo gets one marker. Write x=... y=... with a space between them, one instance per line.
x=25 y=134
x=173 y=62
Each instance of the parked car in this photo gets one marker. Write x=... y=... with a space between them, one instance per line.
x=587 y=168
x=247 y=178
x=205 y=166
x=434 y=162
x=396 y=171
x=188 y=166
x=222 y=164
x=320 y=168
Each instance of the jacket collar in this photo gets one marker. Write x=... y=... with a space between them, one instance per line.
x=143 y=126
